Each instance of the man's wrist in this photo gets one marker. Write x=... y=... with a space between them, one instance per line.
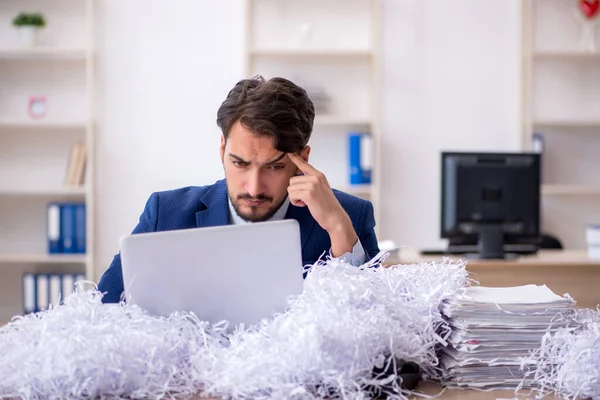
x=343 y=238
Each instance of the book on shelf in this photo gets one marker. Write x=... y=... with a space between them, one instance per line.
x=66 y=228
x=40 y=290
x=75 y=174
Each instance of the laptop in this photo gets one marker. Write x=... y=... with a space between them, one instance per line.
x=237 y=273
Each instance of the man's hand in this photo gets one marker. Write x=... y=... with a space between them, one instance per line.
x=313 y=191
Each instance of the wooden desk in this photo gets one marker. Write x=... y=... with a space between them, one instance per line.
x=563 y=271
x=432 y=389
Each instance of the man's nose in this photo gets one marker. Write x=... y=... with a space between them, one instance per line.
x=254 y=184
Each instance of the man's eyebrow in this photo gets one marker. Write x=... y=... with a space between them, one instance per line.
x=237 y=158
x=275 y=160
x=240 y=159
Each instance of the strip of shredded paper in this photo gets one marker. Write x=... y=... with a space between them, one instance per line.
x=348 y=321
x=568 y=361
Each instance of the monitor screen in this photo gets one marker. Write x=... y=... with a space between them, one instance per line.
x=484 y=192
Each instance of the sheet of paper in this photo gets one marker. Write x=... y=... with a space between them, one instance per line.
x=527 y=294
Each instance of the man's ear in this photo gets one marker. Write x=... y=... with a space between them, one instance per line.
x=222 y=148
x=304 y=153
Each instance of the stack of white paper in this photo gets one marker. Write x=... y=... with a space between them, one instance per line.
x=493 y=328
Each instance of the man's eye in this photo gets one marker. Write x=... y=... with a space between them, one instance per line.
x=276 y=167
x=240 y=164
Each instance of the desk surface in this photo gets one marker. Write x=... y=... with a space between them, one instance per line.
x=542 y=258
x=564 y=272
x=430 y=389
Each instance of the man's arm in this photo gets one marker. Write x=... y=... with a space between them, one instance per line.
x=367 y=235
x=366 y=246
x=111 y=283
x=313 y=191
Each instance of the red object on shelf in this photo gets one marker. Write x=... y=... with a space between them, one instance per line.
x=589 y=8
x=38 y=107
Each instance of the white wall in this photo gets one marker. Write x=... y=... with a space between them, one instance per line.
x=161 y=78
x=450 y=81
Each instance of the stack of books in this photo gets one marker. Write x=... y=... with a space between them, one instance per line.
x=495 y=329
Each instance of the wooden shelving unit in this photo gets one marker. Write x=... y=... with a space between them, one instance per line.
x=34 y=153
x=561 y=101
x=47 y=53
x=567 y=124
x=22 y=123
x=570 y=190
x=43 y=259
x=308 y=53
x=328 y=120
x=565 y=55
x=49 y=193
x=334 y=46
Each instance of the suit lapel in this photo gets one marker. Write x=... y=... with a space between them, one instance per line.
x=216 y=210
x=306 y=221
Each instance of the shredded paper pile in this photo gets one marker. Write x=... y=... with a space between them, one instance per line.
x=341 y=338
x=568 y=361
x=348 y=322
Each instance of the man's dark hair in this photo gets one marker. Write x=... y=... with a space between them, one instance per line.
x=277 y=108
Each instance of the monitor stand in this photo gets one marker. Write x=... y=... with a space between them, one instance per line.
x=491 y=243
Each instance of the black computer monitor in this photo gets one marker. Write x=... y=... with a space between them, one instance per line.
x=491 y=195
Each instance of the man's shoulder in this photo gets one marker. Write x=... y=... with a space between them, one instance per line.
x=350 y=202
x=187 y=196
x=185 y=191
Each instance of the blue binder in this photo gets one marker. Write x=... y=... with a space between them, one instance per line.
x=42 y=289
x=53 y=228
x=29 y=293
x=356 y=176
x=366 y=157
x=80 y=228
x=67 y=227
x=42 y=296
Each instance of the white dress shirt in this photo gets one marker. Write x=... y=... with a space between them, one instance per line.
x=356 y=257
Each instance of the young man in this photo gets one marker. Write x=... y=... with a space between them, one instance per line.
x=266 y=126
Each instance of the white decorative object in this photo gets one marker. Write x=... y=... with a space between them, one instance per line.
x=347 y=322
x=587 y=13
x=38 y=107
x=27 y=36
x=27 y=25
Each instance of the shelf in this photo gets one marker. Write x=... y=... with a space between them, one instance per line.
x=312 y=53
x=43 y=258
x=42 y=53
x=22 y=123
x=77 y=192
x=570 y=190
x=566 y=55
x=567 y=123
x=358 y=189
x=332 y=120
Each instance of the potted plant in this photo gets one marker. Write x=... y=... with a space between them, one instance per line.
x=28 y=25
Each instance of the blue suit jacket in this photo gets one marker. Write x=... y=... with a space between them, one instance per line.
x=197 y=207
